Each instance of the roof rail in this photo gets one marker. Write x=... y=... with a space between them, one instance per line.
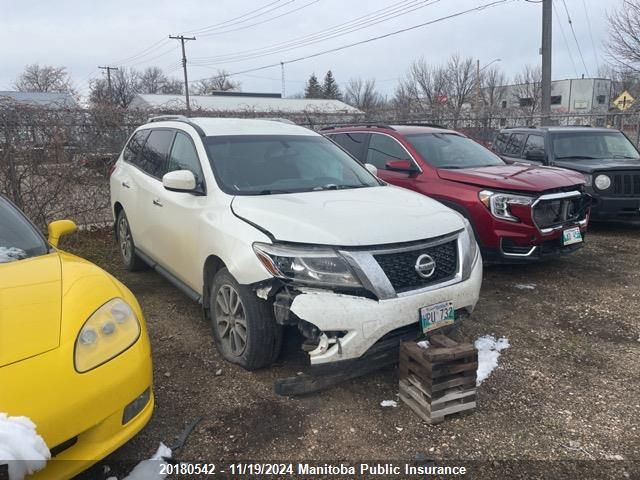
x=177 y=118
x=168 y=118
x=367 y=125
x=423 y=124
x=279 y=119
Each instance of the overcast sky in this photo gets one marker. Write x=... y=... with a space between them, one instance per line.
x=81 y=35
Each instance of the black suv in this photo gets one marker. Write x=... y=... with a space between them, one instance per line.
x=608 y=160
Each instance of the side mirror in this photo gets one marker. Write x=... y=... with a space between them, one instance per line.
x=404 y=165
x=179 y=181
x=536 y=154
x=372 y=169
x=59 y=229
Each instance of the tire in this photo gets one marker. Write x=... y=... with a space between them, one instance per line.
x=132 y=262
x=244 y=329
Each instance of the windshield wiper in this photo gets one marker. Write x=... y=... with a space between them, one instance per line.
x=578 y=157
x=333 y=186
x=453 y=167
x=625 y=156
x=269 y=192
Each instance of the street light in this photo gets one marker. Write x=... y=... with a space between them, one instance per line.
x=478 y=70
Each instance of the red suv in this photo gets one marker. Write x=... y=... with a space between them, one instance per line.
x=519 y=213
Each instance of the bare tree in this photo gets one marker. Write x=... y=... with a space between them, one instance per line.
x=493 y=82
x=426 y=88
x=461 y=81
x=623 y=45
x=528 y=88
x=217 y=83
x=125 y=85
x=152 y=80
x=362 y=94
x=45 y=78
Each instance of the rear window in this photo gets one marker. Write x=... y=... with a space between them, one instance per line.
x=514 y=147
x=351 y=142
x=134 y=147
x=153 y=159
x=500 y=142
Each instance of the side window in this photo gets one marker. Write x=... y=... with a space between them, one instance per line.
x=184 y=156
x=383 y=149
x=534 y=142
x=134 y=147
x=154 y=154
x=500 y=142
x=351 y=142
x=514 y=147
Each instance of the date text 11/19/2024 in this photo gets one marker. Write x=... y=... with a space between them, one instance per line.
x=294 y=469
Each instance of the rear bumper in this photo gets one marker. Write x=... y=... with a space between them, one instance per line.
x=612 y=208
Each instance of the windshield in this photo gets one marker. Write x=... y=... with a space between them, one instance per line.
x=271 y=164
x=593 y=145
x=18 y=238
x=448 y=150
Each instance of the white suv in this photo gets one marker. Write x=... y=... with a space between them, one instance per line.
x=270 y=224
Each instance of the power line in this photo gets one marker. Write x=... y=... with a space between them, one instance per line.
x=564 y=37
x=359 y=23
x=575 y=37
x=244 y=27
x=379 y=37
x=593 y=43
x=234 y=21
x=142 y=53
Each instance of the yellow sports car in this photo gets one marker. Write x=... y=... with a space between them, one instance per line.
x=74 y=351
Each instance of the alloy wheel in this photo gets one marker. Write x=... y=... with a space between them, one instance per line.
x=231 y=319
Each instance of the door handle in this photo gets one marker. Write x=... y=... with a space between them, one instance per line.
x=126 y=185
x=157 y=203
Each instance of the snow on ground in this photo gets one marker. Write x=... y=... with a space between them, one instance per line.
x=488 y=352
x=21 y=446
x=424 y=344
x=150 y=469
x=388 y=403
x=10 y=254
x=525 y=286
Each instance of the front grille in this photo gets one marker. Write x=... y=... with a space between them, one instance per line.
x=625 y=184
x=401 y=272
x=551 y=213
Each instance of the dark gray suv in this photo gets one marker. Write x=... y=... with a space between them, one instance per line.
x=608 y=160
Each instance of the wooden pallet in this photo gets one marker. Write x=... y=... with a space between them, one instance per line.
x=438 y=381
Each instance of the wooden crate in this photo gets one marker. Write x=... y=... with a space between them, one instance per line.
x=440 y=380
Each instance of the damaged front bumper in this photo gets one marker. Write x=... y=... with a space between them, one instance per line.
x=347 y=326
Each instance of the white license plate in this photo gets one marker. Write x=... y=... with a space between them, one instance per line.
x=436 y=316
x=571 y=236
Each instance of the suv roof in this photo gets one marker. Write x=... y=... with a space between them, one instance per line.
x=403 y=129
x=208 y=126
x=577 y=128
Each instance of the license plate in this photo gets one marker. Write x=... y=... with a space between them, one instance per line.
x=436 y=316
x=571 y=236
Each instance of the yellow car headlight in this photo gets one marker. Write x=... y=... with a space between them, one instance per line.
x=107 y=333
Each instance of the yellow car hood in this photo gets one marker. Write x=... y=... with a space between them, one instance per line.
x=30 y=307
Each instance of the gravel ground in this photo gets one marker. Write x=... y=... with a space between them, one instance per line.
x=564 y=402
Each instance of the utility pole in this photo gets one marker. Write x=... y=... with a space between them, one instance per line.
x=478 y=90
x=282 y=71
x=546 y=60
x=182 y=39
x=108 y=69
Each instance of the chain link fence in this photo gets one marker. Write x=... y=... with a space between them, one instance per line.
x=55 y=162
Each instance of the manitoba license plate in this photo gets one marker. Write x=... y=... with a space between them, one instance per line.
x=571 y=236
x=436 y=316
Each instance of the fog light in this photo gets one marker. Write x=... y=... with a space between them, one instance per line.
x=135 y=407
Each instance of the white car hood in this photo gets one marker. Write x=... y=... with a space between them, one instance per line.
x=352 y=217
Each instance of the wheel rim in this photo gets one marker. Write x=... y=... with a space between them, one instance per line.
x=124 y=236
x=231 y=320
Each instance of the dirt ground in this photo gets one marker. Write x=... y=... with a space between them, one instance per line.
x=566 y=394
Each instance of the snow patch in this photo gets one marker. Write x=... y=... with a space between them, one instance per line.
x=488 y=352
x=388 y=403
x=424 y=344
x=525 y=286
x=150 y=469
x=11 y=254
x=21 y=446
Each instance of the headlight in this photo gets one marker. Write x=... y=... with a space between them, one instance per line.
x=602 y=182
x=499 y=203
x=587 y=179
x=111 y=329
x=469 y=248
x=311 y=265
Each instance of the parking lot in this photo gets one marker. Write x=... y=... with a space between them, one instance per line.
x=568 y=388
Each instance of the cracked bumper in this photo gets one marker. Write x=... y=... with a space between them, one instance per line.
x=366 y=320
